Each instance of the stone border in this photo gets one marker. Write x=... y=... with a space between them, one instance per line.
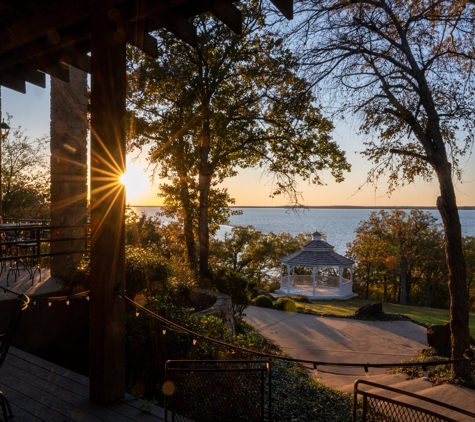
x=222 y=307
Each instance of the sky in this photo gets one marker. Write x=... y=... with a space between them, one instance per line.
x=251 y=187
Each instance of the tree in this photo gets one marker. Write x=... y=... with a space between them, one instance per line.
x=400 y=244
x=253 y=254
x=232 y=102
x=25 y=175
x=405 y=69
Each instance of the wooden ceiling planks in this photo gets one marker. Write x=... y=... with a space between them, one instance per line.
x=43 y=35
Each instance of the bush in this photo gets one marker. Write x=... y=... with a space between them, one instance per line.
x=264 y=302
x=285 y=304
x=145 y=271
x=233 y=284
x=273 y=286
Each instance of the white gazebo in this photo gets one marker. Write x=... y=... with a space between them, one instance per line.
x=316 y=255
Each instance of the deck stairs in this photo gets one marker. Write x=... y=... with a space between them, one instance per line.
x=460 y=397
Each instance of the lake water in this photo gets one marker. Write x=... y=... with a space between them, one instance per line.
x=338 y=225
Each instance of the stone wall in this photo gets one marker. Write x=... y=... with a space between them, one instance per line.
x=222 y=307
x=68 y=167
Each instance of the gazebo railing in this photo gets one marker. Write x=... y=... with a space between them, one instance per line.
x=307 y=280
x=346 y=288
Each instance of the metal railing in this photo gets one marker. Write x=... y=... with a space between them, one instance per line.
x=387 y=404
x=216 y=391
x=27 y=246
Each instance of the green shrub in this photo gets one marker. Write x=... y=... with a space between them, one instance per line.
x=145 y=271
x=275 y=285
x=285 y=304
x=264 y=301
x=301 y=298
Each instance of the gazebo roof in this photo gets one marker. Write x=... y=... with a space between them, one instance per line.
x=316 y=253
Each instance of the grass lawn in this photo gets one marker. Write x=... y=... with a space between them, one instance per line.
x=426 y=316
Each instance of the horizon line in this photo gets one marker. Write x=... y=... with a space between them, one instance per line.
x=432 y=207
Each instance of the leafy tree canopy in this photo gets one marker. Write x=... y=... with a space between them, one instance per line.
x=233 y=102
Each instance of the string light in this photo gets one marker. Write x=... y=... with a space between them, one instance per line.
x=137 y=313
x=67 y=302
x=87 y=298
x=173 y=326
x=50 y=303
x=164 y=331
x=426 y=373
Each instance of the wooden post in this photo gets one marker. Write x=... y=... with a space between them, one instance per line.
x=108 y=90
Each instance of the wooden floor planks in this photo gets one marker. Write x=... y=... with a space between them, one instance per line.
x=41 y=391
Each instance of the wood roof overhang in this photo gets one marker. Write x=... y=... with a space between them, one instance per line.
x=43 y=37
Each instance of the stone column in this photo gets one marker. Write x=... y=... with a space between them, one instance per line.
x=68 y=169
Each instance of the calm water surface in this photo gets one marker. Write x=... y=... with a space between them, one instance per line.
x=338 y=225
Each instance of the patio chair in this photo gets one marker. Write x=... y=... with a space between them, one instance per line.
x=6 y=341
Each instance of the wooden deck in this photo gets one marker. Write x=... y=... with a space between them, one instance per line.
x=41 y=391
x=24 y=285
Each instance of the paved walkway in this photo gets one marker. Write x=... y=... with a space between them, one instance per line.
x=346 y=340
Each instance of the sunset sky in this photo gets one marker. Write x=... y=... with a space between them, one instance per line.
x=251 y=187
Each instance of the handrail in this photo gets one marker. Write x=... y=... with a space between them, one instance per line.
x=38 y=236
x=393 y=402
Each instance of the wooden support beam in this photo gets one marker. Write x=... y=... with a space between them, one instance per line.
x=178 y=25
x=107 y=312
x=54 y=43
x=12 y=82
x=80 y=61
x=226 y=12
x=51 y=19
x=52 y=67
x=137 y=35
x=286 y=7
x=28 y=74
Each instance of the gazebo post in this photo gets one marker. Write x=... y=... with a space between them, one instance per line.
x=340 y=270
x=314 y=272
x=281 y=275
x=289 y=269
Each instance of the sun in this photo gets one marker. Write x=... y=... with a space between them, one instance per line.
x=137 y=184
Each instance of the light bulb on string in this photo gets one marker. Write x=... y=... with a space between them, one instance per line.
x=137 y=313
x=426 y=373
x=50 y=303
x=164 y=331
x=194 y=341
x=67 y=302
x=315 y=370
x=87 y=297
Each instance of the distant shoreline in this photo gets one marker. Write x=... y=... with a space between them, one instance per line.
x=342 y=207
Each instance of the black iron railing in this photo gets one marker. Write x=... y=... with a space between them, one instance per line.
x=376 y=402
x=216 y=391
x=27 y=245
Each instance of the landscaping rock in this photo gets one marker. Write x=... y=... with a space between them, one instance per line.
x=438 y=336
x=370 y=310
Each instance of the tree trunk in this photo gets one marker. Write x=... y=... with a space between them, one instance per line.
x=204 y=184
x=460 y=334
x=188 y=223
x=403 y=296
